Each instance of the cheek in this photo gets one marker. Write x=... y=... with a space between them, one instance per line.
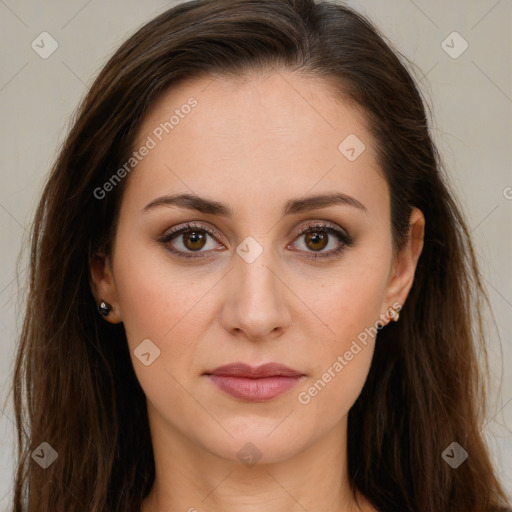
x=162 y=303
x=351 y=298
x=159 y=307
x=350 y=304
x=155 y=294
x=340 y=368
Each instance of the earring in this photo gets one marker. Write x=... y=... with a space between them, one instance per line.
x=104 y=308
x=396 y=315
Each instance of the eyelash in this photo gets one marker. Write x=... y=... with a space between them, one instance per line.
x=344 y=238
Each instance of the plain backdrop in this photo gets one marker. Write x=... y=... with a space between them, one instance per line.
x=469 y=91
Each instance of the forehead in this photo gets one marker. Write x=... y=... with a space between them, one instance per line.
x=254 y=107
x=279 y=131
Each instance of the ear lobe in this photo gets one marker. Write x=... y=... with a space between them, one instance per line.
x=406 y=261
x=102 y=284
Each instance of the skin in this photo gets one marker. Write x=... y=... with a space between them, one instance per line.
x=253 y=144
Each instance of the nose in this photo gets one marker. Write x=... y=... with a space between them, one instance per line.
x=255 y=306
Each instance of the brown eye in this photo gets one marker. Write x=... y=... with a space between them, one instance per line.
x=316 y=237
x=190 y=241
x=316 y=240
x=194 y=240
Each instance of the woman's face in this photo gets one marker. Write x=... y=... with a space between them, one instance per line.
x=268 y=151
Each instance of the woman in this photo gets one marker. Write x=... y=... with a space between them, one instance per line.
x=250 y=287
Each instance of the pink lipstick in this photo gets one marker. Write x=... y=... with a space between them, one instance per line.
x=254 y=384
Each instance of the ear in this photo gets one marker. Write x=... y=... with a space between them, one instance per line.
x=404 y=266
x=103 y=285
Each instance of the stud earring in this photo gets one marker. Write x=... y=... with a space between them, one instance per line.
x=104 y=308
x=396 y=315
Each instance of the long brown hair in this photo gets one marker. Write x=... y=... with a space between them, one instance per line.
x=74 y=384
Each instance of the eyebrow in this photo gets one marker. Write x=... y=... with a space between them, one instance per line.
x=292 y=206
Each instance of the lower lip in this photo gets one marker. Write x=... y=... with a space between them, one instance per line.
x=254 y=390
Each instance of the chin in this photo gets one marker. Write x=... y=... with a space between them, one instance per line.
x=263 y=442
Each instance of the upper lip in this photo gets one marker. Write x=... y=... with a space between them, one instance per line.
x=245 y=370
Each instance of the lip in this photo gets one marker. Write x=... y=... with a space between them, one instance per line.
x=254 y=383
x=239 y=369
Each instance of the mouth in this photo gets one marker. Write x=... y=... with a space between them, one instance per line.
x=254 y=384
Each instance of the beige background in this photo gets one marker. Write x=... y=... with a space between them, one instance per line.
x=472 y=105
